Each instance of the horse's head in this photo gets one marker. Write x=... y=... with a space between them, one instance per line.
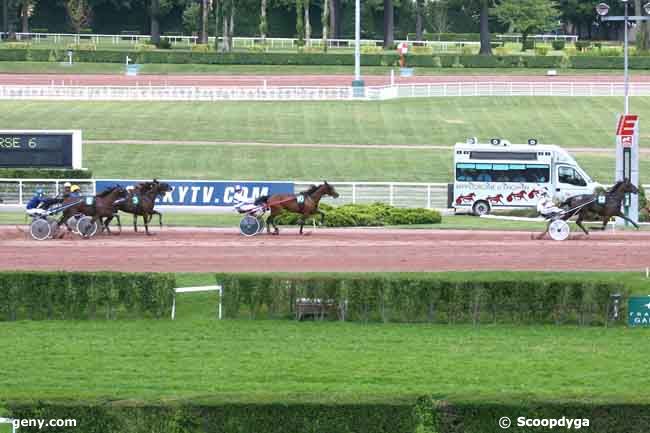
x=330 y=190
x=628 y=186
x=120 y=191
x=163 y=187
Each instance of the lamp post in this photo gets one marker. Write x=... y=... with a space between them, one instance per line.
x=627 y=146
x=357 y=83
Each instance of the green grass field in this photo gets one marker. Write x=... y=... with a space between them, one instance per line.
x=579 y=122
x=441 y=121
x=116 y=68
x=264 y=361
x=307 y=164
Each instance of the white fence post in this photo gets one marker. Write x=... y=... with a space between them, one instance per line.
x=391 y=194
x=354 y=193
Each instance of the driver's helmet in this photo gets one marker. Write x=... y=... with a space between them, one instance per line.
x=67 y=185
x=39 y=192
x=74 y=188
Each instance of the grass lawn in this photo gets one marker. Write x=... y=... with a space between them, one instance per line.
x=263 y=361
x=117 y=68
x=307 y=164
x=441 y=121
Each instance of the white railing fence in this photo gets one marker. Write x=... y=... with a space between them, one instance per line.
x=17 y=192
x=294 y=93
x=238 y=42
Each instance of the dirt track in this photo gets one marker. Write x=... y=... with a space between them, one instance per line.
x=286 y=80
x=210 y=250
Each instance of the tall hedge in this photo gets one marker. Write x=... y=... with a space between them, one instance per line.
x=38 y=173
x=316 y=58
x=421 y=415
x=84 y=295
x=424 y=299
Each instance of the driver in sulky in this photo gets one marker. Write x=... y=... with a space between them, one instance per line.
x=545 y=206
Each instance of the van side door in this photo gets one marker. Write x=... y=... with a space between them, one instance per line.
x=569 y=182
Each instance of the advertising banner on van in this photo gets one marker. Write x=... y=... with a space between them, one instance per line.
x=206 y=193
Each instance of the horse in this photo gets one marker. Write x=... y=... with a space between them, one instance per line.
x=101 y=206
x=495 y=199
x=611 y=207
x=304 y=203
x=141 y=202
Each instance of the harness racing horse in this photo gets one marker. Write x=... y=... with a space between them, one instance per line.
x=606 y=208
x=304 y=203
x=97 y=207
x=141 y=202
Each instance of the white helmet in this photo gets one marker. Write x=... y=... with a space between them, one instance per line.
x=67 y=185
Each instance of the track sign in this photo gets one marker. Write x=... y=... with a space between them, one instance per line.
x=627 y=125
x=602 y=9
x=40 y=149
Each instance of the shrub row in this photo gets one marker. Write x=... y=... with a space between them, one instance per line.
x=424 y=415
x=37 y=173
x=84 y=295
x=369 y=215
x=248 y=58
x=424 y=298
x=447 y=37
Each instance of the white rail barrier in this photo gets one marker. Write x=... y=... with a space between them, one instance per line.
x=238 y=42
x=17 y=192
x=294 y=93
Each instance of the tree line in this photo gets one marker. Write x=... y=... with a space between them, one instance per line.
x=306 y=19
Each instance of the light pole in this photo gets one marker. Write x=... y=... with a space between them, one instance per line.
x=627 y=146
x=357 y=83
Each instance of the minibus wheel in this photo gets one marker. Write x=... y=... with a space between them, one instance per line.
x=481 y=208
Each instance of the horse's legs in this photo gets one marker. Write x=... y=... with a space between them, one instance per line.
x=270 y=221
x=620 y=214
x=146 y=219
x=544 y=232
x=135 y=223
x=301 y=221
x=155 y=212
x=581 y=216
x=322 y=216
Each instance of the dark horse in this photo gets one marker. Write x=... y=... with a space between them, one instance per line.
x=141 y=202
x=97 y=207
x=304 y=203
x=606 y=207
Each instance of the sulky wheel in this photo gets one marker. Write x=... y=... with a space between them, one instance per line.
x=559 y=230
x=86 y=227
x=40 y=229
x=260 y=219
x=249 y=225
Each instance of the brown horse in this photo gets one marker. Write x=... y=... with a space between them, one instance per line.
x=97 y=207
x=606 y=206
x=141 y=202
x=304 y=203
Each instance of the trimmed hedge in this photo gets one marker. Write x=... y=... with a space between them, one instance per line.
x=423 y=415
x=368 y=215
x=425 y=298
x=84 y=295
x=249 y=58
x=37 y=173
x=447 y=37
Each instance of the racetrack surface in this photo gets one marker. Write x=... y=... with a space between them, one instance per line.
x=212 y=250
x=288 y=80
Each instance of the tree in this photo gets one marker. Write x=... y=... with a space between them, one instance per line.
x=324 y=21
x=26 y=11
x=216 y=5
x=418 y=19
x=527 y=16
x=79 y=14
x=300 y=24
x=205 y=11
x=155 y=22
x=264 y=26
x=389 y=24
x=307 y=23
x=642 y=29
x=480 y=9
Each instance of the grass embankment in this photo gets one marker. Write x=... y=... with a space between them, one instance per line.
x=578 y=122
x=172 y=69
x=269 y=361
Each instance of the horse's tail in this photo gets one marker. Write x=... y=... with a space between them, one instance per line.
x=264 y=199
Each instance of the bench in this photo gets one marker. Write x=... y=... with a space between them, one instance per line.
x=319 y=308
